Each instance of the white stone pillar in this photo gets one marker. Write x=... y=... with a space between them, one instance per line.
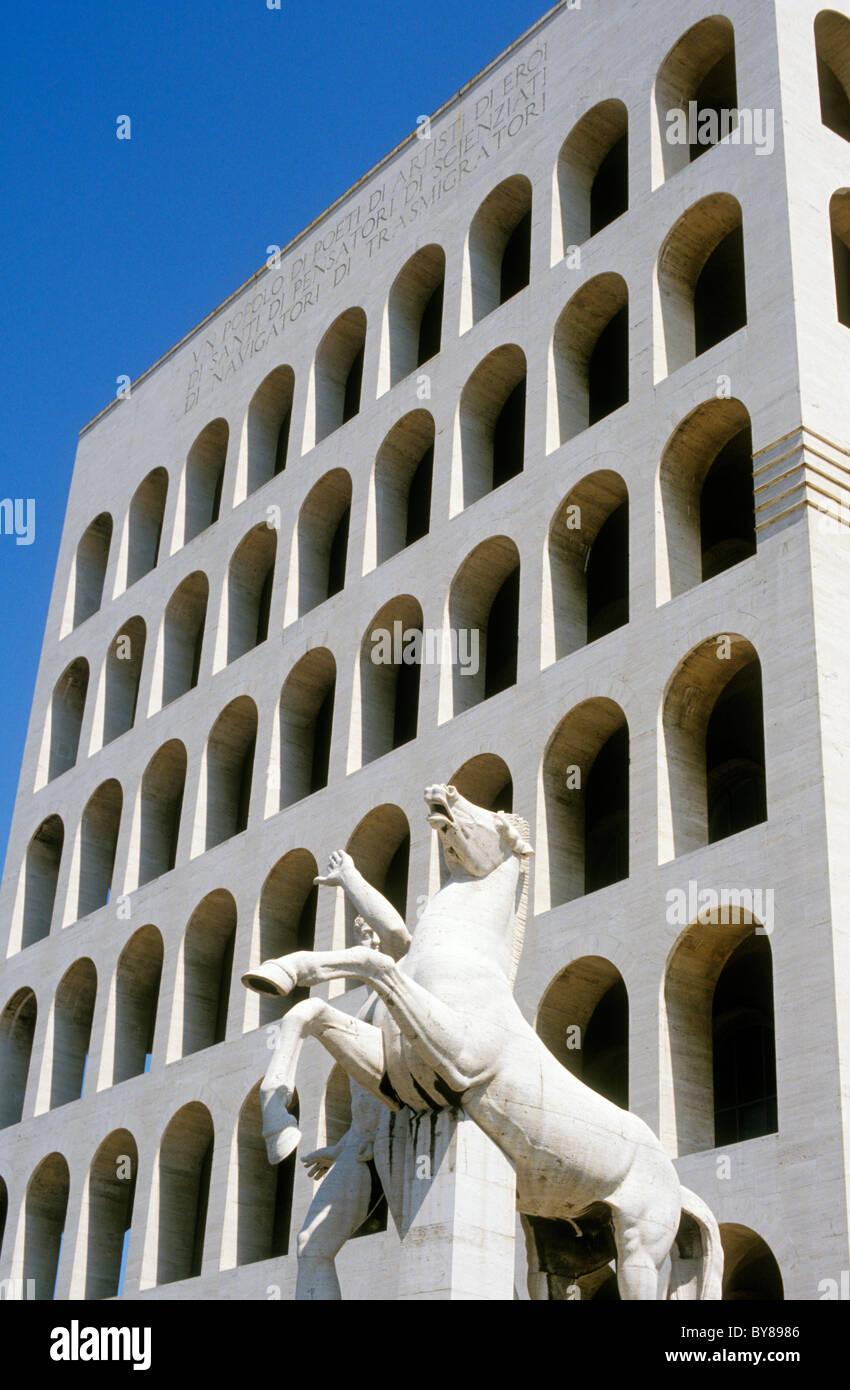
x=459 y=1209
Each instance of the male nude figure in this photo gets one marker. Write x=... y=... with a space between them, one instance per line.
x=343 y=1200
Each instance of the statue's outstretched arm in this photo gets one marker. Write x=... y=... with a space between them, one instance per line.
x=372 y=906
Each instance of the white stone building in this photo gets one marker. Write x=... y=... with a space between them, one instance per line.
x=559 y=379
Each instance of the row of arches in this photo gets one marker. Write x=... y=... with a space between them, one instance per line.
x=702 y=256
x=712 y=730
x=177 y=1240
x=583 y=845
x=725 y=1092
x=706 y=525
x=285 y=920
x=204 y=970
x=260 y=1198
x=701 y=299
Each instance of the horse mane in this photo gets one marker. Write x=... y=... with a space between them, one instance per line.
x=517 y=831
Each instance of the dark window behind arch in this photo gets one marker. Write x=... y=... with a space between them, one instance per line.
x=734 y=754
x=744 y=1050
x=606 y=814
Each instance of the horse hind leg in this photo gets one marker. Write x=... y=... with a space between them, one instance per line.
x=643 y=1257
x=357 y=1046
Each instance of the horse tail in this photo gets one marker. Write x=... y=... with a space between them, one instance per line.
x=709 y=1256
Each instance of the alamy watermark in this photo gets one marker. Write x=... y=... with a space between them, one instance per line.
x=739 y=125
x=431 y=646
x=17 y=518
x=17 y=1290
x=721 y=907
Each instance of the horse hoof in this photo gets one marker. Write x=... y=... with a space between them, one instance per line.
x=281 y=1144
x=270 y=978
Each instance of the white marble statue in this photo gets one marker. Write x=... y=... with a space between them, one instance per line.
x=345 y=1194
x=445 y=1031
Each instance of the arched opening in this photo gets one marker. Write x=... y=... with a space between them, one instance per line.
x=583 y=843
x=584 y=1021
x=37 y=890
x=109 y=1199
x=320 y=551
x=250 y=578
x=700 y=289
x=153 y=850
x=414 y=315
x=137 y=982
x=338 y=374
x=490 y=429
x=486 y=781
x=750 y=1271
x=832 y=45
x=204 y=479
x=380 y=848
x=719 y=1062
x=185 y=1164
x=286 y=921
x=229 y=771
x=144 y=527
x=483 y=627
x=17 y=1030
x=588 y=566
x=94 y=859
x=700 y=68
x=706 y=497
x=45 y=1206
x=402 y=487
x=181 y=641
x=391 y=657
x=263 y=1205
x=67 y=705
x=70 y=1032
x=589 y=376
x=592 y=176
x=265 y=434
x=713 y=728
x=839 y=221
x=85 y=589
x=305 y=724
x=207 y=969
x=498 y=254
x=119 y=688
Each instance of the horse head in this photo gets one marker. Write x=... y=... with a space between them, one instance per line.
x=471 y=837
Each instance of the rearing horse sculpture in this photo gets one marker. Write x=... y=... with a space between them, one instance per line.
x=446 y=1032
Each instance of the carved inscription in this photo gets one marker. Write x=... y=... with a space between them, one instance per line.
x=431 y=168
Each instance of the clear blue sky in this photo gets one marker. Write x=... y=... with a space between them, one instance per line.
x=246 y=123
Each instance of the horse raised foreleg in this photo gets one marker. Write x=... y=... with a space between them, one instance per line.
x=462 y=1050
x=283 y=975
x=357 y=1046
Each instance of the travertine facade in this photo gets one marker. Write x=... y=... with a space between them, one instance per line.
x=140 y=694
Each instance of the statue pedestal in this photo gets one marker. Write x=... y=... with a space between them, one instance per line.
x=459 y=1209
